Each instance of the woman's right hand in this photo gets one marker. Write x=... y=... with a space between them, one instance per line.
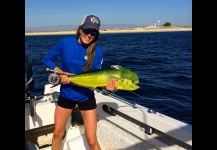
x=64 y=79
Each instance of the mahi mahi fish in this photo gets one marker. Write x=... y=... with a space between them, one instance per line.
x=126 y=79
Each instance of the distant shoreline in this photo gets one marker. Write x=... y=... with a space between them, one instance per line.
x=116 y=30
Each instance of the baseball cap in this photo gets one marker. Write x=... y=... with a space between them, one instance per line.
x=91 y=21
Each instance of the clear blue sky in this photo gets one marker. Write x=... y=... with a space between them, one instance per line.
x=39 y=13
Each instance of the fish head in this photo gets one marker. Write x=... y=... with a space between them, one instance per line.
x=133 y=77
x=130 y=75
x=126 y=84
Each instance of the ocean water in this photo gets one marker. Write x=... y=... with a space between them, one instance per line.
x=162 y=61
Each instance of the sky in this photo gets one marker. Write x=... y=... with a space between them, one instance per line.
x=39 y=13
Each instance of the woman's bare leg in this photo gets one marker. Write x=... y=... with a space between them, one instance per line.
x=60 y=118
x=90 y=125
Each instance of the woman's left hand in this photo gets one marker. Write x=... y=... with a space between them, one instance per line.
x=112 y=84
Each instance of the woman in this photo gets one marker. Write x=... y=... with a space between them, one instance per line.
x=78 y=54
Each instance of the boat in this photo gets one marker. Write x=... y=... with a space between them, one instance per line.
x=121 y=125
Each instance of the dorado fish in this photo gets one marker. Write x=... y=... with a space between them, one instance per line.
x=126 y=79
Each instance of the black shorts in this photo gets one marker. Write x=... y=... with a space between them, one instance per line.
x=86 y=105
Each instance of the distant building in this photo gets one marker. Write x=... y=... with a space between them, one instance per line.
x=158 y=23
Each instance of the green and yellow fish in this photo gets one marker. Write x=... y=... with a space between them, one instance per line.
x=126 y=79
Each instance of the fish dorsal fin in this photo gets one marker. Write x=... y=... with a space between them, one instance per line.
x=116 y=66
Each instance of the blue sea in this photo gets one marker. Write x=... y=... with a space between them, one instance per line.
x=162 y=61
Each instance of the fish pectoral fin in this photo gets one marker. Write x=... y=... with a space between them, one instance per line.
x=110 y=92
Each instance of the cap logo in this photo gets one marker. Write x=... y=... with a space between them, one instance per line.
x=94 y=20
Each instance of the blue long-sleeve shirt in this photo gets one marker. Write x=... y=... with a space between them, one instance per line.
x=73 y=59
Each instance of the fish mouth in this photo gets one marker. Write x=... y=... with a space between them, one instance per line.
x=135 y=87
x=126 y=84
x=132 y=87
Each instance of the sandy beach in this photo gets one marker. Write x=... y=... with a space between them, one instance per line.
x=118 y=30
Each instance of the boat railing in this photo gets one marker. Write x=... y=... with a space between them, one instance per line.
x=150 y=121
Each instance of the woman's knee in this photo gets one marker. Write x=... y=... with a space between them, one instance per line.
x=91 y=140
x=58 y=133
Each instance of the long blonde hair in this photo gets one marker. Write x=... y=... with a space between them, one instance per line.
x=90 y=50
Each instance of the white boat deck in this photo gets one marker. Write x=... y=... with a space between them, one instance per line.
x=132 y=127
